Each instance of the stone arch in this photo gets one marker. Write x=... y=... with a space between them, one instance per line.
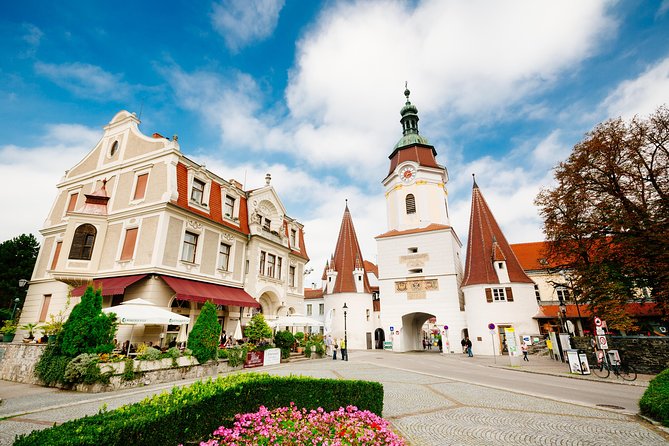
x=412 y=326
x=270 y=304
x=379 y=338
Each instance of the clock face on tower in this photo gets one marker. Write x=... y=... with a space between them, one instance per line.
x=407 y=174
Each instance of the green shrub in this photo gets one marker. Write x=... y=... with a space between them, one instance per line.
x=51 y=365
x=150 y=354
x=191 y=413
x=655 y=400
x=203 y=339
x=300 y=338
x=257 y=330
x=82 y=368
x=236 y=355
x=284 y=340
x=128 y=370
x=88 y=329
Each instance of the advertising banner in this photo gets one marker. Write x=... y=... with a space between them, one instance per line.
x=254 y=359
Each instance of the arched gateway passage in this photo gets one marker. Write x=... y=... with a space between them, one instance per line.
x=412 y=326
x=379 y=338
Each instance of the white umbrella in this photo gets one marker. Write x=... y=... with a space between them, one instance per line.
x=238 y=331
x=295 y=321
x=140 y=311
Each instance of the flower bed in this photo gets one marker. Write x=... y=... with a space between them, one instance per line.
x=293 y=426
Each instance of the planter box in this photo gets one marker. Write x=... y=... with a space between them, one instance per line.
x=8 y=337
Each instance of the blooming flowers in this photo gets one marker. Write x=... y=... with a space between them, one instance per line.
x=292 y=426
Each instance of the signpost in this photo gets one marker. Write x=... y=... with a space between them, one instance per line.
x=447 y=345
x=491 y=327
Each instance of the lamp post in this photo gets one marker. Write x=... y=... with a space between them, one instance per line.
x=573 y=293
x=345 y=334
x=563 y=314
x=16 y=304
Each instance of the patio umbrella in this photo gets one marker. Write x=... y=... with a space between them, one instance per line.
x=238 y=331
x=295 y=321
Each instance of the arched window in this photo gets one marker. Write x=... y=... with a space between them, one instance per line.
x=411 y=204
x=82 y=243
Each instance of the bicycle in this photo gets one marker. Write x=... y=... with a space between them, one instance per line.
x=625 y=371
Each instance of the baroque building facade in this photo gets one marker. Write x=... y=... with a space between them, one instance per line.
x=138 y=218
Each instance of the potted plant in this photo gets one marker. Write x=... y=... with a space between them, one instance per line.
x=30 y=328
x=8 y=331
x=55 y=325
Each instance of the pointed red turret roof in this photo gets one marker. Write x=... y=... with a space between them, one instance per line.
x=486 y=243
x=347 y=255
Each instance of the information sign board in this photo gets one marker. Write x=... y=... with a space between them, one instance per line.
x=603 y=343
x=387 y=345
x=254 y=359
x=272 y=356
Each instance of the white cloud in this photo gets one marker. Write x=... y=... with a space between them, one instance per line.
x=662 y=10
x=28 y=175
x=640 y=96
x=86 y=81
x=243 y=23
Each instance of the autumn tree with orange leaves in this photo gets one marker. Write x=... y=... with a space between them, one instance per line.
x=607 y=219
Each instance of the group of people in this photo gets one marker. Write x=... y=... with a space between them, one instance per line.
x=334 y=345
x=427 y=344
x=467 y=346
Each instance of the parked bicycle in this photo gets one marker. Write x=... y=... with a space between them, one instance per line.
x=604 y=369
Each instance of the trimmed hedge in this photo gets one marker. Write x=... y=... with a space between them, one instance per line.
x=194 y=412
x=655 y=400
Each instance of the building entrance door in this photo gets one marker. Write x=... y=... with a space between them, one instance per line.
x=503 y=348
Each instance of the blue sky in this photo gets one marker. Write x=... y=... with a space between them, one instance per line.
x=311 y=92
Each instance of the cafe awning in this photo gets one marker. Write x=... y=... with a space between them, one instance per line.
x=110 y=285
x=193 y=290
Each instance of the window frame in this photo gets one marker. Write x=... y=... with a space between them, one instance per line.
x=271 y=265
x=193 y=244
x=123 y=255
x=136 y=188
x=309 y=310
x=193 y=189
x=225 y=256
x=87 y=244
x=410 y=204
x=229 y=206
x=498 y=294
x=291 y=275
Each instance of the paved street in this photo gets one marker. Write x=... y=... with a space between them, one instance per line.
x=431 y=399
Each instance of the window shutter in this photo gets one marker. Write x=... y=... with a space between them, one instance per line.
x=410 y=204
x=140 y=188
x=45 y=307
x=73 y=202
x=509 y=294
x=129 y=244
x=488 y=295
x=56 y=254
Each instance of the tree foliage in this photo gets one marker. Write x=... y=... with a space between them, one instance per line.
x=17 y=257
x=203 y=339
x=88 y=329
x=607 y=219
x=257 y=329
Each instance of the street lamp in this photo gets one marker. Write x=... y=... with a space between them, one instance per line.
x=16 y=304
x=563 y=313
x=345 y=337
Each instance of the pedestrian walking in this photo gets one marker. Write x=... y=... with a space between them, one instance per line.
x=344 y=350
x=463 y=343
x=335 y=347
x=440 y=345
x=468 y=346
x=424 y=344
x=523 y=348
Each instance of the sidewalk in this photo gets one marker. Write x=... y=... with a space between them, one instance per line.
x=544 y=365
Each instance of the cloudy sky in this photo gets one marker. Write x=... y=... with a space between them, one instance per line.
x=311 y=92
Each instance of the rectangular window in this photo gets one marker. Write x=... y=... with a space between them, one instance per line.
x=129 y=244
x=266 y=224
x=291 y=275
x=140 y=186
x=279 y=262
x=72 y=204
x=45 y=307
x=321 y=309
x=309 y=310
x=498 y=294
x=536 y=292
x=56 y=254
x=562 y=294
x=262 y=263
x=197 y=193
x=225 y=256
x=271 y=263
x=293 y=238
x=229 y=206
x=190 y=245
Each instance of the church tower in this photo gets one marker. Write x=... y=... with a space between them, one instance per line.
x=419 y=256
x=495 y=286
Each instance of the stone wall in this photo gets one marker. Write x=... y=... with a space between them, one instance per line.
x=648 y=354
x=18 y=361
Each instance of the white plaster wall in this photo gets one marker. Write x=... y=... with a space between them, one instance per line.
x=480 y=313
x=357 y=324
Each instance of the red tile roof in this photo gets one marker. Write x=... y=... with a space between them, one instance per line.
x=485 y=239
x=313 y=293
x=371 y=268
x=633 y=309
x=531 y=255
x=423 y=155
x=347 y=253
x=428 y=228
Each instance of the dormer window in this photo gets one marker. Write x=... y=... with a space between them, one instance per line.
x=229 y=206
x=197 y=192
x=500 y=265
x=266 y=223
x=293 y=238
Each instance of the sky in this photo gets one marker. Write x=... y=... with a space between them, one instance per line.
x=311 y=92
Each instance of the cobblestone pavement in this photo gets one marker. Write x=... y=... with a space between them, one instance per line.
x=427 y=409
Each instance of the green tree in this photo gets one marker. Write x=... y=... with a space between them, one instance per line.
x=88 y=329
x=203 y=339
x=607 y=219
x=257 y=329
x=17 y=257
